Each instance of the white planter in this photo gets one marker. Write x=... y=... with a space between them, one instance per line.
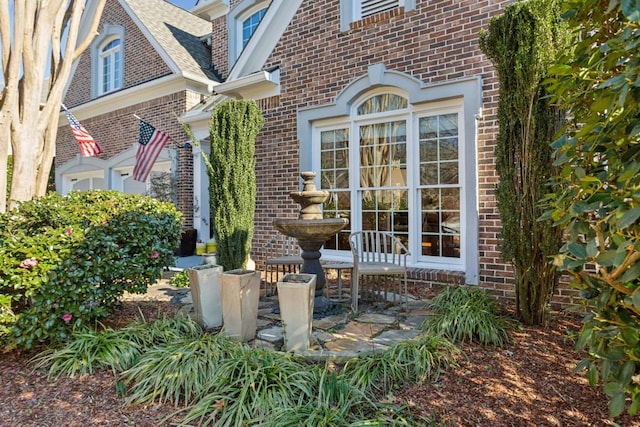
x=210 y=258
x=296 y=295
x=240 y=292
x=205 y=292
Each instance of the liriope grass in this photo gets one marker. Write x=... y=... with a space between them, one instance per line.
x=249 y=386
x=117 y=350
x=161 y=331
x=408 y=362
x=463 y=314
x=89 y=350
x=179 y=371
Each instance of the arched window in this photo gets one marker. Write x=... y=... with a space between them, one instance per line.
x=393 y=166
x=399 y=155
x=107 y=61
x=250 y=24
x=110 y=67
x=242 y=22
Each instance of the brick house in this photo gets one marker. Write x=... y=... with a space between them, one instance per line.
x=391 y=102
x=151 y=59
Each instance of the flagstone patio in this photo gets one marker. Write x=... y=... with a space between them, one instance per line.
x=379 y=324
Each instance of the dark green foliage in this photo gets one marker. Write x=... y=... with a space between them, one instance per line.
x=233 y=130
x=464 y=314
x=522 y=43
x=598 y=195
x=405 y=363
x=65 y=261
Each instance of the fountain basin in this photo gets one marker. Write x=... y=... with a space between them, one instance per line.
x=318 y=230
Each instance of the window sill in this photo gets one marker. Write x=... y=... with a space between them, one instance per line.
x=377 y=18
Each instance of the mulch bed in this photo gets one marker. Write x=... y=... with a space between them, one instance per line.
x=527 y=383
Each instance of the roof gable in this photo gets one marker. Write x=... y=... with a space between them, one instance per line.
x=176 y=34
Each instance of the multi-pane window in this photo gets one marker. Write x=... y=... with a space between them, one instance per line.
x=395 y=167
x=334 y=177
x=439 y=186
x=250 y=24
x=110 y=67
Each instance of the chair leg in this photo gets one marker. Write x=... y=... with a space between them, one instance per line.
x=355 y=278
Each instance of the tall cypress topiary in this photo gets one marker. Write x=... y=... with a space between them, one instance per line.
x=522 y=44
x=233 y=129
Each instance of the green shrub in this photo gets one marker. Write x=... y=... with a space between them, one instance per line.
x=180 y=279
x=232 y=189
x=465 y=313
x=598 y=199
x=522 y=43
x=65 y=260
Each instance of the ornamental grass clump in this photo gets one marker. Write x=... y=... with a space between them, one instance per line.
x=248 y=386
x=463 y=314
x=178 y=371
x=408 y=362
x=117 y=350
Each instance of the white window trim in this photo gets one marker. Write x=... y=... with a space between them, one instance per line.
x=235 y=18
x=411 y=115
x=350 y=11
x=467 y=92
x=109 y=55
x=109 y=32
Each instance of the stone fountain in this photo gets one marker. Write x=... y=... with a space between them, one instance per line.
x=311 y=230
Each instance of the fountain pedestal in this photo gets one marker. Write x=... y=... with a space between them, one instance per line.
x=311 y=231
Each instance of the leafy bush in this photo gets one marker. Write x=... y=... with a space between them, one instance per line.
x=180 y=279
x=465 y=313
x=65 y=260
x=598 y=200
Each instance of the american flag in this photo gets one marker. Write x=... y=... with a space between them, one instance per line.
x=88 y=146
x=152 y=141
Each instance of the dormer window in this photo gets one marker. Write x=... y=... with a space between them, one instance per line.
x=250 y=24
x=110 y=66
x=107 y=61
x=242 y=22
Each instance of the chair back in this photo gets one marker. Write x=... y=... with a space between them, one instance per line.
x=377 y=246
x=285 y=246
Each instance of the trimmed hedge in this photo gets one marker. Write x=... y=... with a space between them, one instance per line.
x=65 y=260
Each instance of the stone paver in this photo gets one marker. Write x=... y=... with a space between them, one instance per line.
x=377 y=318
x=395 y=336
x=272 y=334
x=329 y=322
x=335 y=338
x=357 y=331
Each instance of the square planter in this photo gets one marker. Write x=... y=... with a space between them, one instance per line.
x=205 y=292
x=296 y=297
x=240 y=292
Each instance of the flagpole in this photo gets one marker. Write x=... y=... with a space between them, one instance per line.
x=137 y=117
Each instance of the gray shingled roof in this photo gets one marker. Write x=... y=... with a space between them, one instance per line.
x=178 y=32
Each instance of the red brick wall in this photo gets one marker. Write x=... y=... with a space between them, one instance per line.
x=436 y=42
x=118 y=130
x=142 y=61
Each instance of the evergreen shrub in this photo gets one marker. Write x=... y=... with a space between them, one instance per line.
x=65 y=260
